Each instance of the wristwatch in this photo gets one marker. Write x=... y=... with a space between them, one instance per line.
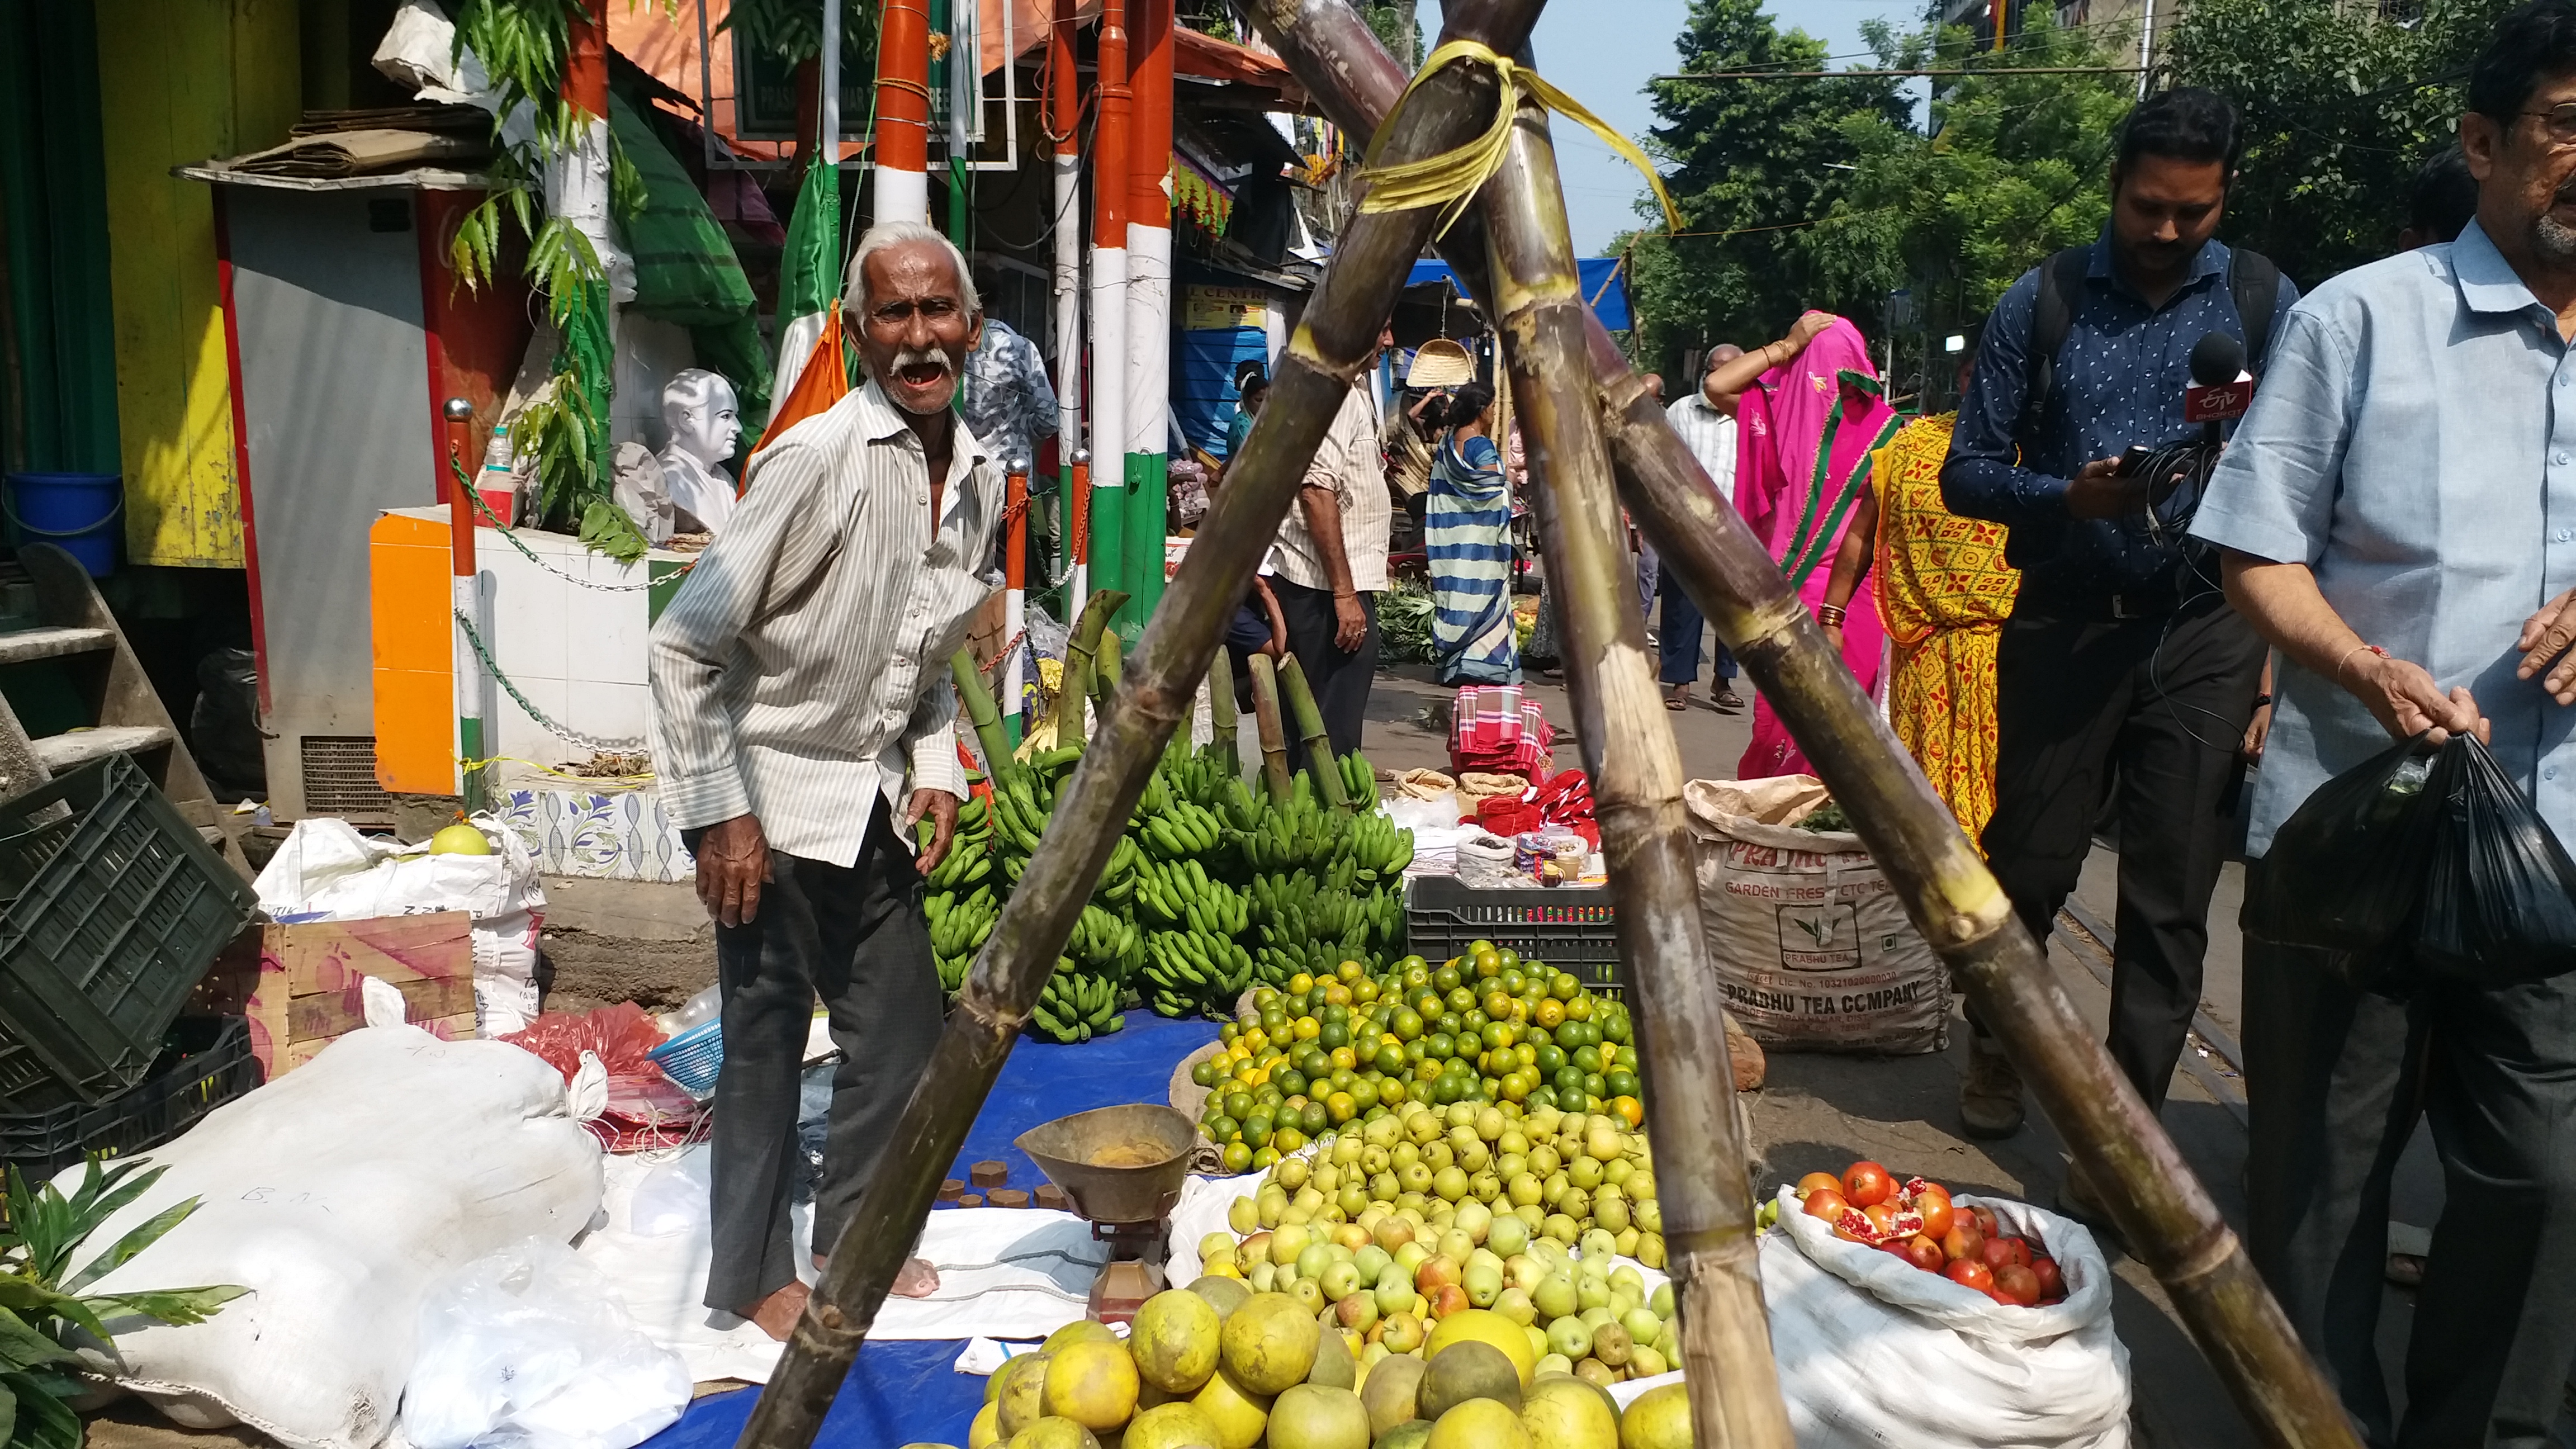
x=2262 y=700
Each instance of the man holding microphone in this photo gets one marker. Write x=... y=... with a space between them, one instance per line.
x=2122 y=675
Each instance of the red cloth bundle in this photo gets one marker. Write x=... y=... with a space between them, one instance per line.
x=1497 y=730
x=1566 y=800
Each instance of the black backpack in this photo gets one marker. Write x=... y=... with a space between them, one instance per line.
x=2252 y=280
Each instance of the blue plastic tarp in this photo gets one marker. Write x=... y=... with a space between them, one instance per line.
x=1605 y=286
x=905 y=1393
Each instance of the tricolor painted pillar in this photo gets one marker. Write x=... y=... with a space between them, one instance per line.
x=1109 y=567
x=1077 y=492
x=466 y=597
x=1149 y=305
x=1064 y=124
x=577 y=173
x=1015 y=591
x=902 y=149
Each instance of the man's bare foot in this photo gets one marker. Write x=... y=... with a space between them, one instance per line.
x=915 y=1279
x=777 y=1313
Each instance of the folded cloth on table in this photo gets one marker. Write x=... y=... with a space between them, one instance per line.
x=1497 y=728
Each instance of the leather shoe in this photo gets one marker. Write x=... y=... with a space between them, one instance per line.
x=1990 y=1095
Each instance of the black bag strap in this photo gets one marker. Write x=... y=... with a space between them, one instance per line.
x=2052 y=317
x=2255 y=283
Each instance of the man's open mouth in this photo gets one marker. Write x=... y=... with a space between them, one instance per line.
x=921 y=374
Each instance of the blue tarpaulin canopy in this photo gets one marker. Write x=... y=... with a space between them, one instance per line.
x=1605 y=286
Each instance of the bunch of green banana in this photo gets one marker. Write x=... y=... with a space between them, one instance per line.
x=959 y=925
x=1359 y=781
x=1076 y=1006
x=1378 y=849
x=1181 y=832
x=1187 y=972
x=1019 y=816
x=1118 y=883
x=1102 y=942
x=1239 y=807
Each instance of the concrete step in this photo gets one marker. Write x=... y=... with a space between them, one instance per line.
x=68 y=751
x=53 y=641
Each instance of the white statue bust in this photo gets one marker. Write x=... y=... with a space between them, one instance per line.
x=705 y=422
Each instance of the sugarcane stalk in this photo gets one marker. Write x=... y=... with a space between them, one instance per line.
x=1334 y=340
x=1081 y=647
x=1636 y=770
x=2160 y=1207
x=1275 y=773
x=1310 y=723
x=981 y=710
x=1220 y=688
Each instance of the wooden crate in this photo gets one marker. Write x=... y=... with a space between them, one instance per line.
x=301 y=986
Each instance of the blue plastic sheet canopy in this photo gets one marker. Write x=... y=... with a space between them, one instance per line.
x=1605 y=286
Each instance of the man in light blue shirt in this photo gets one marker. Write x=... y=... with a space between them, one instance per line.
x=2399 y=502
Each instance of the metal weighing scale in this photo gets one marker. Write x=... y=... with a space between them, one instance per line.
x=1121 y=1168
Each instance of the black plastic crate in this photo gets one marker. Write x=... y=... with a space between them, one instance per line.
x=207 y=1062
x=1569 y=927
x=114 y=907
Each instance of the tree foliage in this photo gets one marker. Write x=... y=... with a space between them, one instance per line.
x=2341 y=104
x=1860 y=202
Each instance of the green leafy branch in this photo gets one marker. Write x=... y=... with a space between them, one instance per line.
x=40 y=1303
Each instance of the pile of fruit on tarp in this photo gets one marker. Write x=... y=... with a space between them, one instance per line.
x=1483 y=1027
x=1216 y=884
x=1214 y=1366
x=1916 y=1221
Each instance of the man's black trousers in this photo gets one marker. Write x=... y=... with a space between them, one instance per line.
x=2154 y=709
x=2336 y=1079
x=854 y=936
x=1340 y=678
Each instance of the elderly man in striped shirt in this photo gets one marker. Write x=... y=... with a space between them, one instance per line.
x=795 y=678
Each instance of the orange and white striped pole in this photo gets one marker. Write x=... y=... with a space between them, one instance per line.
x=902 y=150
x=1064 y=124
x=1108 y=567
x=1149 y=304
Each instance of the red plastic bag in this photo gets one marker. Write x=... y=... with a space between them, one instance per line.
x=622 y=1034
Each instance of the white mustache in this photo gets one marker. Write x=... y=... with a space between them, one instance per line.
x=914 y=357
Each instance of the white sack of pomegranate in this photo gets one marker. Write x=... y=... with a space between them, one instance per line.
x=1812 y=946
x=1882 y=1349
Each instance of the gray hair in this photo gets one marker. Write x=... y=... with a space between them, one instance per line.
x=887 y=234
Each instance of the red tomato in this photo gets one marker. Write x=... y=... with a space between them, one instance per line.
x=2017 y=1284
x=1937 y=1212
x=1925 y=1254
x=2052 y=1283
x=1986 y=1222
x=1867 y=1184
x=1963 y=1243
x=1826 y=1203
x=1820 y=1182
x=1968 y=1273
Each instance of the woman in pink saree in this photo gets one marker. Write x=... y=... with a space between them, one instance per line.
x=1805 y=429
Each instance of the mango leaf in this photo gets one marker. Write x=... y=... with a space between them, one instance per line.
x=142 y=1237
x=605 y=528
x=21 y=1347
x=44 y=1418
x=175 y=1306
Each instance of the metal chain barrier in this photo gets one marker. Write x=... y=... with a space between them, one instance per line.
x=568 y=736
x=465 y=487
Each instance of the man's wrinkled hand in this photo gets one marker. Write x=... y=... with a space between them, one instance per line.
x=733 y=861
x=2257 y=730
x=1350 y=622
x=941 y=807
x=2546 y=639
x=2406 y=701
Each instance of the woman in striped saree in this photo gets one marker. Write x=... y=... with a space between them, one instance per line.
x=1467 y=534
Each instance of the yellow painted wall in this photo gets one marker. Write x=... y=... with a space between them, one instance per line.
x=181 y=81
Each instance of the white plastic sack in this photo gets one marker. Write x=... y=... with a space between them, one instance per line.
x=339 y=1194
x=529 y=1348
x=1875 y=1352
x=1812 y=946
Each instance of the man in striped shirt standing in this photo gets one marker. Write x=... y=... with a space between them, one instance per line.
x=1707 y=424
x=1329 y=565
x=795 y=677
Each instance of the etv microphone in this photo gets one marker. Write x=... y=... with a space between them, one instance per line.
x=2220 y=385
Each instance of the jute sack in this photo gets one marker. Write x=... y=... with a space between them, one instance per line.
x=1812 y=948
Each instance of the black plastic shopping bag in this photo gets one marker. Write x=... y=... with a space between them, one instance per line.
x=2499 y=901
x=2346 y=871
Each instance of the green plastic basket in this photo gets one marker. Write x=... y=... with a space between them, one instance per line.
x=111 y=909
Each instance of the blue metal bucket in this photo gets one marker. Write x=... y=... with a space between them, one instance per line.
x=76 y=510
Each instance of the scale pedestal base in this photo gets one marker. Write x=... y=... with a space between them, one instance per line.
x=1133 y=1273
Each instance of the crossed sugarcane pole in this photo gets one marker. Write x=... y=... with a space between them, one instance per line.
x=1596 y=440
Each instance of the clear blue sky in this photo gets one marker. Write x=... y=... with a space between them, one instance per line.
x=1601 y=52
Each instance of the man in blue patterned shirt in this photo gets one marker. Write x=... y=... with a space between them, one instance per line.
x=2122 y=668
x=1009 y=403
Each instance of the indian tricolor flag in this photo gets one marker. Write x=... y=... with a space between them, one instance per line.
x=809 y=293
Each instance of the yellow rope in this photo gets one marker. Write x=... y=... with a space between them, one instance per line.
x=1452 y=178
